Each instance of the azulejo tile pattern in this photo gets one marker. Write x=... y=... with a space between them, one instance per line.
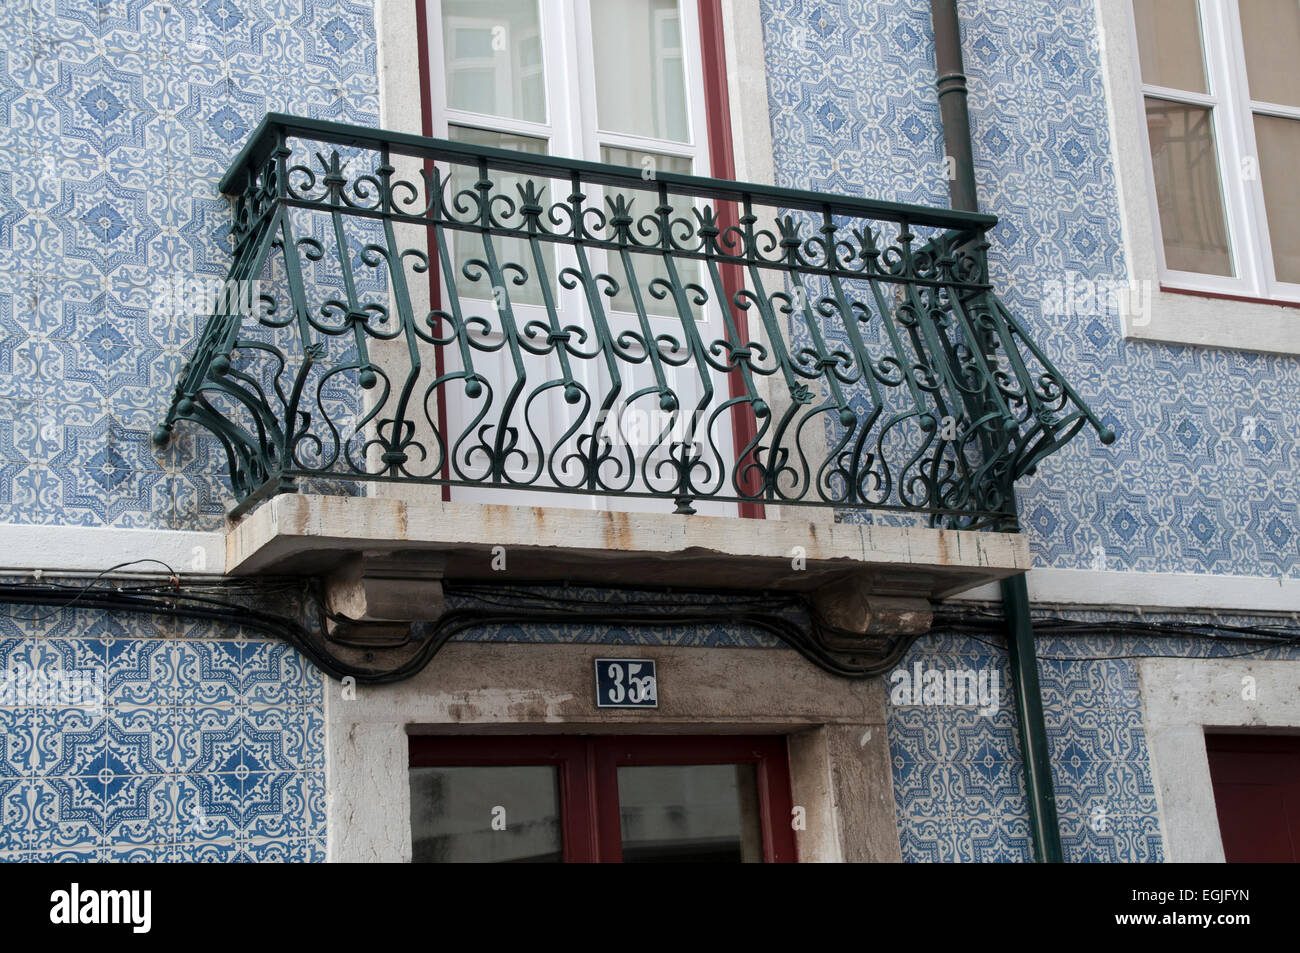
x=1204 y=475
x=117 y=119
x=958 y=777
x=1208 y=448
x=191 y=742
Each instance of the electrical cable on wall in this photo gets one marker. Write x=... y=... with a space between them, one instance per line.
x=788 y=617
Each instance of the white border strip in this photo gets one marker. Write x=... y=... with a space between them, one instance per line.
x=1162 y=590
x=1181 y=698
x=26 y=548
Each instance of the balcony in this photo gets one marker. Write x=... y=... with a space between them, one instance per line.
x=609 y=331
x=444 y=326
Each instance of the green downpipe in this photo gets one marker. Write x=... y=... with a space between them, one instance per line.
x=1043 y=822
x=951 y=83
x=1041 y=796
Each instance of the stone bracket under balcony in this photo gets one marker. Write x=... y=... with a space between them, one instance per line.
x=382 y=560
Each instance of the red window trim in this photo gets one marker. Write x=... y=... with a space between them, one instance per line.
x=588 y=774
x=1279 y=302
x=722 y=165
x=431 y=234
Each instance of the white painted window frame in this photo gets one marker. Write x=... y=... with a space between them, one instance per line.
x=1173 y=315
x=1245 y=112
x=557 y=32
x=572 y=130
x=697 y=150
x=570 y=71
x=1232 y=113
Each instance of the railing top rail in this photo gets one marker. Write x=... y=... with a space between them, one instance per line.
x=267 y=136
x=908 y=388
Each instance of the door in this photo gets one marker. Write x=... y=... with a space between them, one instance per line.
x=1257 y=796
x=625 y=799
x=619 y=82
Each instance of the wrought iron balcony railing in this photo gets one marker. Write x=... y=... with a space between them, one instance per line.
x=441 y=313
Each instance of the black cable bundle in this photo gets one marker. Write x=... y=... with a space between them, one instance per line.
x=786 y=616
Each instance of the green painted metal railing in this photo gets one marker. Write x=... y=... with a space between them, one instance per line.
x=434 y=312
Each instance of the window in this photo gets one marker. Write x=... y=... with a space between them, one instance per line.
x=1222 y=100
x=613 y=81
x=613 y=798
x=530 y=75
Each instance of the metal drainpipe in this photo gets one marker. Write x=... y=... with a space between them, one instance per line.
x=1041 y=797
x=952 y=104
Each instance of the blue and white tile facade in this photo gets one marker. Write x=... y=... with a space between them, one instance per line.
x=128 y=738
x=118 y=117
x=1188 y=486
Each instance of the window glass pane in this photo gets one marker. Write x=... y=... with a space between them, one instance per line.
x=1169 y=44
x=653 y=162
x=492 y=58
x=640 y=74
x=486 y=815
x=1271 y=30
x=648 y=267
x=1278 y=141
x=1188 y=187
x=469 y=245
x=690 y=814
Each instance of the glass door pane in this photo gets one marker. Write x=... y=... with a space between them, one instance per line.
x=648 y=268
x=640 y=72
x=501 y=313
x=508 y=814
x=492 y=58
x=1271 y=34
x=1278 y=142
x=475 y=282
x=1185 y=162
x=700 y=813
x=1169 y=44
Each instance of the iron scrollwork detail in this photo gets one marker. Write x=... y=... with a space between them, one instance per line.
x=492 y=318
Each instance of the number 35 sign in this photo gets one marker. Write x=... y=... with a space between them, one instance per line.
x=626 y=683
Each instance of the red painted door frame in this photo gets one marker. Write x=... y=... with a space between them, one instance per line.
x=431 y=234
x=588 y=776
x=722 y=165
x=1256 y=782
x=767 y=754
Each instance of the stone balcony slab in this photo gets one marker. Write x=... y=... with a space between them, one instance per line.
x=296 y=534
